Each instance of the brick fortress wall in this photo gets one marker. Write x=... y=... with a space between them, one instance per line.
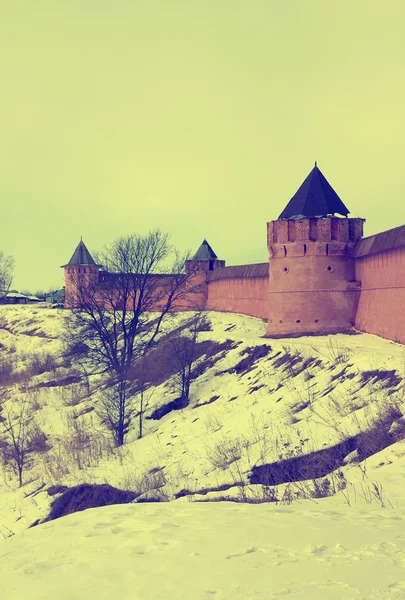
x=240 y=289
x=321 y=278
x=380 y=266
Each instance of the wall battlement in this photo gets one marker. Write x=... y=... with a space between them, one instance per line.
x=326 y=229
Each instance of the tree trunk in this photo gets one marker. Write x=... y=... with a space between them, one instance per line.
x=141 y=418
x=122 y=414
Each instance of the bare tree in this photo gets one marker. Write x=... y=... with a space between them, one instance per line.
x=41 y=294
x=18 y=436
x=6 y=273
x=110 y=325
x=184 y=355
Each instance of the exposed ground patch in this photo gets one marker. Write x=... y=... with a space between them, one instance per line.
x=85 y=496
x=323 y=462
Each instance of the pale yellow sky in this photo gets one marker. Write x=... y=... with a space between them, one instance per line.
x=199 y=117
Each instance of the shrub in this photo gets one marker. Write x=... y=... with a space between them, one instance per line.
x=153 y=480
x=40 y=362
x=73 y=394
x=335 y=352
x=38 y=440
x=7 y=375
x=224 y=453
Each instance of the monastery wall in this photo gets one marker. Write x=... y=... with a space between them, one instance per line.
x=240 y=289
x=382 y=296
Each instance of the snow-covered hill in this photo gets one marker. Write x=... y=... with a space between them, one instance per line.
x=305 y=434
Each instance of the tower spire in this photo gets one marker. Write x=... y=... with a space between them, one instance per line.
x=81 y=256
x=315 y=198
x=205 y=252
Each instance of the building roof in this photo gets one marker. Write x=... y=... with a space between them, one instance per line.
x=81 y=256
x=16 y=295
x=315 y=198
x=385 y=240
x=239 y=272
x=205 y=252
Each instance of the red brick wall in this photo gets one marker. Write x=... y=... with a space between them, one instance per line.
x=246 y=296
x=382 y=298
x=74 y=275
x=195 y=299
x=313 y=284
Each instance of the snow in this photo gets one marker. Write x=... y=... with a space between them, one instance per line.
x=350 y=545
x=199 y=551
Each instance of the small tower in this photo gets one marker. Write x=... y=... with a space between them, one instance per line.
x=203 y=261
x=311 y=277
x=80 y=270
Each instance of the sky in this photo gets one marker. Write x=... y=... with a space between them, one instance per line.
x=200 y=118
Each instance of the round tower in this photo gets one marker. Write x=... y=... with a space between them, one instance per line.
x=81 y=271
x=312 y=289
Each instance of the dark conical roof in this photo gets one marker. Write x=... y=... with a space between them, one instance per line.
x=205 y=252
x=315 y=198
x=81 y=256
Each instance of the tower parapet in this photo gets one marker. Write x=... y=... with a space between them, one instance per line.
x=312 y=288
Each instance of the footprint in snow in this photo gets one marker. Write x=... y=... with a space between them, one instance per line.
x=312 y=549
x=117 y=530
x=247 y=551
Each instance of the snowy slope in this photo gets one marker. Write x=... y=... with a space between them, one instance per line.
x=200 y=551
x=304 y=395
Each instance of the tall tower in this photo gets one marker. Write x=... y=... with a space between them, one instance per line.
x=312 y=289
x=80 y=270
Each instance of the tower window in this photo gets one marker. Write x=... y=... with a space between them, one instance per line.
x=84 y=270
x=298 y=321
x=285 y=269
x=329 y=268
